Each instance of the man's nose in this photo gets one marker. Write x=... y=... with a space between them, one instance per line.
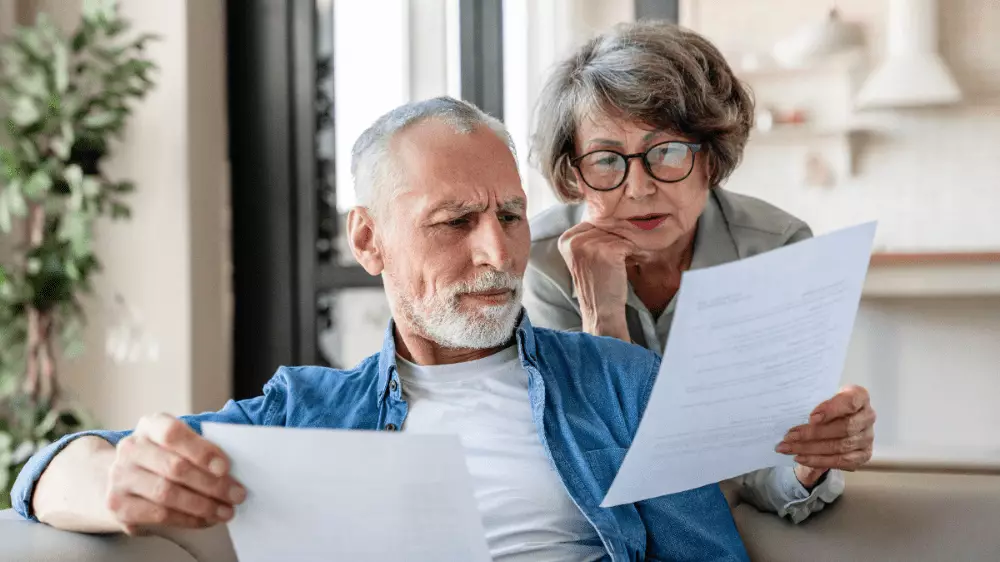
x=490 y=245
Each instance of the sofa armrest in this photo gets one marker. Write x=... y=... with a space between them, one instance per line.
x=887 y=516
x=33 y=542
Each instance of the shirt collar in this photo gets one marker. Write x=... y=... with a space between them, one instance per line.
x=713 y=242
x=524 y=332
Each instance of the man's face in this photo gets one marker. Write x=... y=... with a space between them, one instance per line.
x=455 y=239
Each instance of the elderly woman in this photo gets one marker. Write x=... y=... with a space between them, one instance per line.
x=637 y=131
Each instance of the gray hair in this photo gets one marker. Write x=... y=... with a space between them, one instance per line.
x=654 y=73
x=375 y=172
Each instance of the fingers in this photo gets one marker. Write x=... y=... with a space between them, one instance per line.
x=174 y=435
x=848 y=401
x=848 y=461
x=134 y=513
x=169 y=495
x=843 y=445
x=166 y=464
x=836 y=429
x=166 y=474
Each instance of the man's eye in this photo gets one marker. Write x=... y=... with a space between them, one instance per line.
x=455 y=223
x=509 y=217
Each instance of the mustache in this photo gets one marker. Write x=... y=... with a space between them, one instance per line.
x=490 y=280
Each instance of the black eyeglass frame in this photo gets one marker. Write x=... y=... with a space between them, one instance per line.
x=694 y=147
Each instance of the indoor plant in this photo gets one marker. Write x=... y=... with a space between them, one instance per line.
x=63 y=97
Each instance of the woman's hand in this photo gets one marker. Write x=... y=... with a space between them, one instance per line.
x=596 y=261
x=839 y=434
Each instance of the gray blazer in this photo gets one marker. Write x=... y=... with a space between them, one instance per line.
x=731 y=227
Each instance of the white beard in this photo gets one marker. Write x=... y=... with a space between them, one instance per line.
x=440 y=319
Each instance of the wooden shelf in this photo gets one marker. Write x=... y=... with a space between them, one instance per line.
x=933 y=258
x=771 y=70
x=801 y=133
x=935 y=459
x=915 y=275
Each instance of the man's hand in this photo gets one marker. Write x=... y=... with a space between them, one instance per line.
x=839 y=434
x=166 y=474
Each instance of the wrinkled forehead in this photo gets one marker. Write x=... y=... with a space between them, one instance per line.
x=439 y=164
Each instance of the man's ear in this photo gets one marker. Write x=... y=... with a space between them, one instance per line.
x=361 y=235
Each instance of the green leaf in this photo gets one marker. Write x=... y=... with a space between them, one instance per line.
x=60 y=147
x=60 y=67
x=37 y=185
x=99 y=10
x=100 y=120
x=47 y=424
x=117 y=27
x=25 y=113
x=11 y=167
x=90 y=187
x=31 y=84
x=72 y=271
x=5 y=218
x=15 y=199
x=141 y=40
x=33 y=266
x=120 y=211
x=81 y=38
x=29 y=150
x=74 y=176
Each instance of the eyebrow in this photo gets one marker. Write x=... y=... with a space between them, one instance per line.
x=648 y=137
x=517 y=204
x=605 y=141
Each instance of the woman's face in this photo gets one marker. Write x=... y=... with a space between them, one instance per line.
x=653 y=214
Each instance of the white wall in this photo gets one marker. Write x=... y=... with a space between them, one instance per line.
x=170 y=262
x=930 y=176
x=932 y=179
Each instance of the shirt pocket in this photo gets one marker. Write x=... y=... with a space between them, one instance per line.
x=604 y=465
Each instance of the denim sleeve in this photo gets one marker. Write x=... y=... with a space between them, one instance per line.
x=257 y=411
x=691 y=526
x=777 y=490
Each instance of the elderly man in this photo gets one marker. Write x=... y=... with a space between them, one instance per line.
x=545 y=417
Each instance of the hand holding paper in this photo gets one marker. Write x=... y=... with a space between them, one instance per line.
x=754 y=346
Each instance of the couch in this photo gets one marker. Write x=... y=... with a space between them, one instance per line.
x=884 y=516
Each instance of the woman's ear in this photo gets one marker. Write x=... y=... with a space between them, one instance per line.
x=361 y=235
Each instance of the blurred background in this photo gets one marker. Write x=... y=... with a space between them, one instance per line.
x=234 y=261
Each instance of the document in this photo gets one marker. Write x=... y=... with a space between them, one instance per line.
x=754 y=347
x=321 y=495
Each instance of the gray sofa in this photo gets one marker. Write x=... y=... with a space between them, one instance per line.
x=885 y=516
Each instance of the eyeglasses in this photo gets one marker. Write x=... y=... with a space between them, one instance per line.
x=606 y=170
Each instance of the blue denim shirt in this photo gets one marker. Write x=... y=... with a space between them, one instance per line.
x=587 y=396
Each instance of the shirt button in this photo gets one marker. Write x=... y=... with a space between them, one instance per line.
x=393 y=385
x=390 y=427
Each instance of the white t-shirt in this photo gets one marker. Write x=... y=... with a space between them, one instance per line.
x=526 y=511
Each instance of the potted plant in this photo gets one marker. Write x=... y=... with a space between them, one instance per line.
x=64 y=98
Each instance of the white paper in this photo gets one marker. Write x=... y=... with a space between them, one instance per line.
x=754 y=346
x=321 y=495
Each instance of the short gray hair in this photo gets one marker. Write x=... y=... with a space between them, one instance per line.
x=372 y=166
x=654 y=73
